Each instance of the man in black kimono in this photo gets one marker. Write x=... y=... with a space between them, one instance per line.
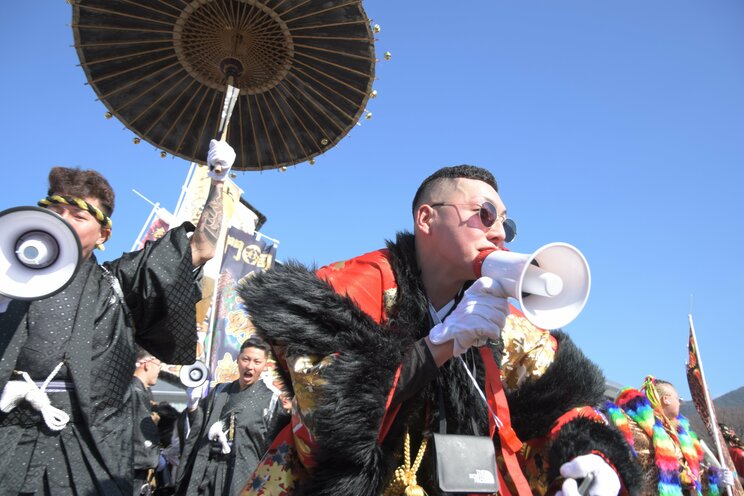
x=146 y=437
x=66 y=361
x=231 y=429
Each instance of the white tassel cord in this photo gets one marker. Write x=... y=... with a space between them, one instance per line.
x=15 y=391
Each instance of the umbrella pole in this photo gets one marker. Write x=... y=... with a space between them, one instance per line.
x=231 y=96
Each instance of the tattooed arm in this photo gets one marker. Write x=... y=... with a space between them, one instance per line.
x=204 y=240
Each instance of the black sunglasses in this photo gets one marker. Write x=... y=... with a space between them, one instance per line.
x=488 y=217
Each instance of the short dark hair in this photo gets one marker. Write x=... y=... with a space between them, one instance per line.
x=255 y=342
x=82 y=184
x=454 y=172
x=140 y=354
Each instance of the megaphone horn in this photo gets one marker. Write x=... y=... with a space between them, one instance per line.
x=194 y=375
x=40 y=254
x=551 y=285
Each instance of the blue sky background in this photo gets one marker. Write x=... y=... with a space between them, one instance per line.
x=615 y=126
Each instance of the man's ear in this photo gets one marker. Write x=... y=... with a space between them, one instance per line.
x=105 y=235
x=423 y=217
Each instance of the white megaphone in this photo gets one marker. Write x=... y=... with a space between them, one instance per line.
x=194 y=375
x=40 y=254
x=551 y=285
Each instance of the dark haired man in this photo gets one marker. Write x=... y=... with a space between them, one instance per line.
x=67 y=360
x=230 y=429
x=381 y=348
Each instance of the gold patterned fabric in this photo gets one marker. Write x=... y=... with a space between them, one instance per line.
x=528 y=351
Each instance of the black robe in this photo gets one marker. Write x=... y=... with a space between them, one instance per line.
x=257 y=415
x=93 y=453
x=145 y=436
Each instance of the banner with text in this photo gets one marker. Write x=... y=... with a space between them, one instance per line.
x=244 y=255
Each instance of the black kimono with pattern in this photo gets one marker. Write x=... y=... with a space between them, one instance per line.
x=258 y=417
x=93 y=453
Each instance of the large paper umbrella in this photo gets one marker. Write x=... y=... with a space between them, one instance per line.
x=304 y=69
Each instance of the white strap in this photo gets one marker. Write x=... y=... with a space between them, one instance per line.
x=496 y=419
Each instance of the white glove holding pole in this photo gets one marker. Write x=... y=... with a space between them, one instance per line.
x=194 y=394
x=479 y=316
x=220 y=159
x=606 y=482
x=727 y=477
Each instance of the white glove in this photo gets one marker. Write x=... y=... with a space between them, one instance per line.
x=479 y=316
x=220 y=158
x=727 y=477
x=194 y=395
x=13 y=393
x=217 y=434
x=606 y=482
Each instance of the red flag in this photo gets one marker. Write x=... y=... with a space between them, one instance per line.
x=704 y=406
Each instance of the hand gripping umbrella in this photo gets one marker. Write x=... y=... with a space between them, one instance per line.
x=300 y=72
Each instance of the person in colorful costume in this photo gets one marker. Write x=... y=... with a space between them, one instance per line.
x=667 y=448
x=371 y=346
x=67 y=360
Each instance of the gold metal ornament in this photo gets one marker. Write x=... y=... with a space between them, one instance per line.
x=163 y=154
x=136 y=140
x=324 y=141
x=388 y=55
x=108 y=115
x=404 y=481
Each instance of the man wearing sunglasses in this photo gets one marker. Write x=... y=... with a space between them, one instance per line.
x=382 y=350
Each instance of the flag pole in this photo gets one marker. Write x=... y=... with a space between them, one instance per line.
x=708 y=402
x=150 y=216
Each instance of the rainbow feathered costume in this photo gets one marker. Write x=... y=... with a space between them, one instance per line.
x=668 y=450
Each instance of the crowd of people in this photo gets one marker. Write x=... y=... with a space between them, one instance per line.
x=384 y=356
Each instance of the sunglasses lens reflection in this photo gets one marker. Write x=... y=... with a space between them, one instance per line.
x=487 y=214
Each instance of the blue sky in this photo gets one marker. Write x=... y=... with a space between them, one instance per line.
x=615 y=126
